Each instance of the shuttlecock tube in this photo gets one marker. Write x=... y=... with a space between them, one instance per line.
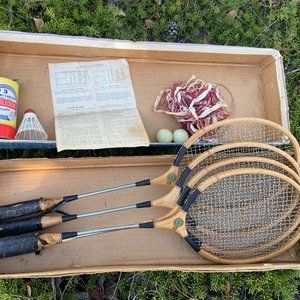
x=31 y=128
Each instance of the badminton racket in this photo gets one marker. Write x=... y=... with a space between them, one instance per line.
x=219 y=153
x=210 y=156
x=228 y=131
x=226 y=245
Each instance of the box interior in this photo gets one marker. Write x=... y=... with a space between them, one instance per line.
x=248 y=83
x=131 y=250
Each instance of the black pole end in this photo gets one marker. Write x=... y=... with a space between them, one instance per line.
x=184 y=193
x=147 y=225
x=67 y=218
x=70 y=198
x=68 y=235
x=144 y=204
x=191 y=200
x=179 y=156
x=143 y=182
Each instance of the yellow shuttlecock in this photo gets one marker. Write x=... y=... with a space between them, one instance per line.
x=31 y=128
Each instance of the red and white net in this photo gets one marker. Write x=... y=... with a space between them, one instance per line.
x=194 y=103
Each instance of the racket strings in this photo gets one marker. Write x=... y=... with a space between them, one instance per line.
x=242 y=199
x=233 y=251
x=247 y=164
x=252 y=216
x=241 y=131
x=231 y=165
x=231 y=153
x=246 y=132
x=254 y=225
x=254 y=245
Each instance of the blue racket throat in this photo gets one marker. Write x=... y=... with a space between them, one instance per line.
x=179 y=156
x=193 y=197
x=193 y=241
x=184 y=175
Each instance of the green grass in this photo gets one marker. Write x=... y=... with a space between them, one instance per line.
x=161 y=285
x=272 y=24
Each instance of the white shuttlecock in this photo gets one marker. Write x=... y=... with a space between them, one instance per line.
x=31 y=128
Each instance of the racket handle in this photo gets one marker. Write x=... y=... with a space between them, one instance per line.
x=26 y=208
x=18 y=245
x=25 y=225
x=27 y=243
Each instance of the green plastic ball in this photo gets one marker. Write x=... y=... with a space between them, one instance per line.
x=180 y=136
x=164 y=136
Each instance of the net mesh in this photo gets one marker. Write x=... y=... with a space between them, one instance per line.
x=240 y=131
x=245 y=215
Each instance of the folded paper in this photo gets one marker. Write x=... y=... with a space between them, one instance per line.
x=95 y=106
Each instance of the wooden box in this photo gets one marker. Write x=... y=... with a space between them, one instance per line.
x=251 y=79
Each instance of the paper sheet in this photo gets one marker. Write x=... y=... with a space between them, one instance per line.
x=94 y=106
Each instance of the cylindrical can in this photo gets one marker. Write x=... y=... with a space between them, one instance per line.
x=9 y=90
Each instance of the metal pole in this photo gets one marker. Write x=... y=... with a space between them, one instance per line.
x=117 y=188
x=107 y=229
x=105 y=211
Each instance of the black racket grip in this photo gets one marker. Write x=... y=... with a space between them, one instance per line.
x=20 y=209
x=26 y=208
x=20 y=226
x=19 y=245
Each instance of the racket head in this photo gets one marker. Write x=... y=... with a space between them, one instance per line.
x=227 y=164
x=241 y=149
x=244 y=230
x=229 y=131
x=237 y=130
x=176 y=198
x=253 y=231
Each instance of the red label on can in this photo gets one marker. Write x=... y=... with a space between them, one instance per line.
x=8 y=103
x=8 y=108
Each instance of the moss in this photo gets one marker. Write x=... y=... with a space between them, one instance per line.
x=181 y=285
x=22 y=288
x=272 y=24
x=163 y=285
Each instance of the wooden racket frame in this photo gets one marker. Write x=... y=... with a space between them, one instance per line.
x=170 y=200
x=177 y=221
x=205 y=130
x=46 y=204
x=34 y=242
x=170 y=176
x=290 y=229
x=173 y=199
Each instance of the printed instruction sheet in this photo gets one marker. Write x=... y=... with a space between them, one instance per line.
x=94 y=106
